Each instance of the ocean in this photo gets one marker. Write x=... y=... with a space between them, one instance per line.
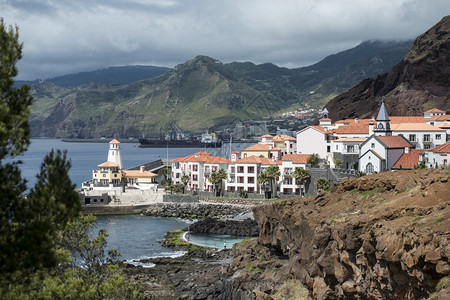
x=134 y=236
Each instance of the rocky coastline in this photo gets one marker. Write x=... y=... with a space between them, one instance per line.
x=385 y=236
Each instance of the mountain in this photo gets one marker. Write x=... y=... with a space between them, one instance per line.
x=419 y=82
x=111 y=75
x=202 y=93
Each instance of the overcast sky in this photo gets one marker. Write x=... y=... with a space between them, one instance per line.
x=68 y=36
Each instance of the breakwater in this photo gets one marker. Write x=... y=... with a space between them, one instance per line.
x=196 y=210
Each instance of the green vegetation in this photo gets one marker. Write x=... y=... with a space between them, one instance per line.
x=313 y=159
x=273 y=174
x=43 y=238
x=322 y=184
x=291 y=290
x=301 y=176
x=338 y=162
x=444 y=282
x=439 y=219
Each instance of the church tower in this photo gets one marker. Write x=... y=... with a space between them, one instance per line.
x=383 y=127
x=114 y=153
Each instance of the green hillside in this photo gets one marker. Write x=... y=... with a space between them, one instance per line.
x=203 y=93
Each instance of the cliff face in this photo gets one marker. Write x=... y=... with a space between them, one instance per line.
x=419 y=82
x=385 y=236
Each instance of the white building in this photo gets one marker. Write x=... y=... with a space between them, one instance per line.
x=314 y=139
x=438 y=156
x=289 y=163
x=245 y=171
x=198 y=167
x=420 y=135
x=380 y=153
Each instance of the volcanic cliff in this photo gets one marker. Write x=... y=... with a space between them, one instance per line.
x=419 y=82
x=384 y=236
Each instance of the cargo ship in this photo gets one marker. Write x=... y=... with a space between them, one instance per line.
x=207 y=140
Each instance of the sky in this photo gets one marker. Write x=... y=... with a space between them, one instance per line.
x=68 y=36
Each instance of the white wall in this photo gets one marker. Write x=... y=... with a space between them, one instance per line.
x=310 y=140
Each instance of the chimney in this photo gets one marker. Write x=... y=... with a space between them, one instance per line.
x=356 y=120
x=142 y=169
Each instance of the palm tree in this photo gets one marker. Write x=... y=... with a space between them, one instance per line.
x=301 y=176
x=322 y=184
x=164 y=172
x=273 y=173
x=262 y=179
x=214 y=179
x=185 y=180
x=222 y=175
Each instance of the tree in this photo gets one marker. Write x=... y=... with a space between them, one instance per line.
x=322 y=184
x=273 y=173
x=214 y=179
x=313 y=159
x=185 y=180
x=222 y=175
x=263 y=180
x=34 y=263
x=338 y=162
x=164 y=172
x=301 y=175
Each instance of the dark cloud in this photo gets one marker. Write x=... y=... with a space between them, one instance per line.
x=69 y=36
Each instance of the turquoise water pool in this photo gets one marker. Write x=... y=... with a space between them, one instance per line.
x=214 y=240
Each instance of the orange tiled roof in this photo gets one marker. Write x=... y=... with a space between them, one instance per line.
x=408 y=160
x=320 y=128
x=284 y=137
x=444 y=148
x=261 y=147
x=138 y=173
x=414 y=127
x=395 y=141
x=203 y=157
x=236 y=152
x=444 y=125
x=267 y=136
x=253 y=159
x=440 y=118
x=114 y=141
x=406 y=119
x=352 y=129
x=296 y=158
x=325 y=119
x=435 y=110
x=108 y=164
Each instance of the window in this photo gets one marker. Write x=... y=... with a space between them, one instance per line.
x=288 y=181
x=337 y=147
x=240 y=170
x=287 y=191
x=369 y=168
x=426 y=137
x=438 y=136
x=251 y=169
x=251 y=190
x=251 y=180
x=231 y=188
x=233 y=170
x=178 y=175
x=288 y=171
x=351 y=148
x=412 y=137
x=194 y=177
x=206 y=169
x=214 y=168
x=328 y=149
x=426 y=146
x=380 y=126
x=372 y=145
x=240 y=179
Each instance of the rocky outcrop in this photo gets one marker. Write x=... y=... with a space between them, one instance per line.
x=419 y=82
x=247 y=227
x=385 y=236
x=195 y=210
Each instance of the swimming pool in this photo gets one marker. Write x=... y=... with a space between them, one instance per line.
x=220 y=241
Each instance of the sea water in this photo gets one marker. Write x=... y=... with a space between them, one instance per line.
x=134 y=236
